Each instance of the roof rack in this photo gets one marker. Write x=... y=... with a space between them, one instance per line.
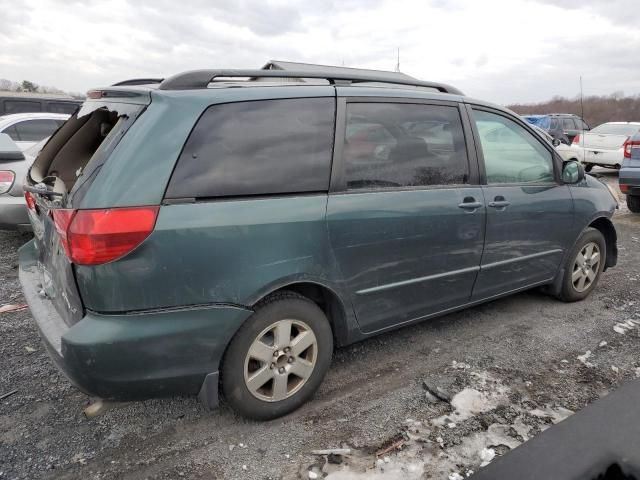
x=138 y=81
x=197 y=79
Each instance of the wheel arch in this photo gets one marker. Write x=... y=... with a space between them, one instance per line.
x=605 y=226
x=329 y=301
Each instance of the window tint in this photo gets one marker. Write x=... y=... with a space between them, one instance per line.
x=511 y=153
x=11 y=131
x=60 y=107
x=21 y=106
x=35 y=130
x=568 y=124
x=261 y=147
x=554 y=124
x=403 y=145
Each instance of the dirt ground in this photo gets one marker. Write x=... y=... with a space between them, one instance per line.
x=505 y=371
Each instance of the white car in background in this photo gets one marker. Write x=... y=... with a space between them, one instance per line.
x=567 y=152
x=604 y=145
x=27 y=129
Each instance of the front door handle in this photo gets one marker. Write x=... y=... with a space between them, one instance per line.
x=470 y=204
x=499 y=202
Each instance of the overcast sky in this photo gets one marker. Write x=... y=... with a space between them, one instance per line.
x=499 y=50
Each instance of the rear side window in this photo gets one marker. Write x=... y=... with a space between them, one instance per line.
x=391 y=145
x=568 y=124
x=34 y=130
x=257 y=148
x=21 y=106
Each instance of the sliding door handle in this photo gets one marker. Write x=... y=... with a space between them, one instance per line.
x=499 y=204
x=470 y=203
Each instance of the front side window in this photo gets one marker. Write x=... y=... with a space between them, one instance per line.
x=35 y=130
x=257 y=148
x=391 y=145
x=511 y=153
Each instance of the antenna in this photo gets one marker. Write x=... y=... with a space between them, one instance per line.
x=582 y=139
x=581 y=100
x=398 y=62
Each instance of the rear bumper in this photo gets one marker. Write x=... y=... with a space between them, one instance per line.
x=137 y=355
x=603 y=157
x=13 y=213
x=631 y=177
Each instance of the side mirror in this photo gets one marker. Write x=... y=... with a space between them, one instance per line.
x=9 y=151
x=572 y=172
x=556 y=142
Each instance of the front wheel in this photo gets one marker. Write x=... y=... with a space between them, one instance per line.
x=278 y=358
x=633 y=202
x=584 y=266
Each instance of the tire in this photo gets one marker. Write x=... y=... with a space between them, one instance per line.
x=262 y=386
x=572 y=288
x=588 y=167
x=633 y=202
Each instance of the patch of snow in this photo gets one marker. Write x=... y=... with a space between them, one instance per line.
x=583 y=359
x=456 y=476
x=486 y=455
x=626 y=326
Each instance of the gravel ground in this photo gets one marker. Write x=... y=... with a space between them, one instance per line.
x=511 y=366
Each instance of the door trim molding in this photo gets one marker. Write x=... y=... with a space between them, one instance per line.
x=411 y=281
x=520 y=259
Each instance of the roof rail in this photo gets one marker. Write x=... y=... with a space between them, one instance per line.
x=138 y=81
x=197 y=79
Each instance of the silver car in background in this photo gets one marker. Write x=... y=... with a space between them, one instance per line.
x=14 y=165
x=27 y=129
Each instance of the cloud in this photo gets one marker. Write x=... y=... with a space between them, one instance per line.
x=516 y=51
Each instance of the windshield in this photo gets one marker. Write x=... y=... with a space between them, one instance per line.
x=541 y=121
x=616 y=129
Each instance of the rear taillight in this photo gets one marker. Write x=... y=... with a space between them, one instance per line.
x=576 y=139
x=31 y=202
x=624 y=188
x=6 y=180
x=94 y=237
x=628 y=145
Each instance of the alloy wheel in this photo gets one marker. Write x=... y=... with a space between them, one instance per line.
x=280 y=360
x=586 y=267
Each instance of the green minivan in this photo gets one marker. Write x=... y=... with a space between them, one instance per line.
x=226 y=229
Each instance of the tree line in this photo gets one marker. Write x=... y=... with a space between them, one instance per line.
x=31 y=87
x=597 y=109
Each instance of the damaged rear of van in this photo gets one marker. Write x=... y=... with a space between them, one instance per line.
x=92 y=276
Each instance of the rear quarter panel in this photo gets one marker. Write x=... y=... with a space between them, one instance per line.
x=225 y=251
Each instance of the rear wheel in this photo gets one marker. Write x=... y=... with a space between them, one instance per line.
x=584 y=266
x=278 y=358
x=633 y=202
x=588 y=167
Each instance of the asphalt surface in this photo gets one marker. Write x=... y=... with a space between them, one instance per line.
x=521 y=353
